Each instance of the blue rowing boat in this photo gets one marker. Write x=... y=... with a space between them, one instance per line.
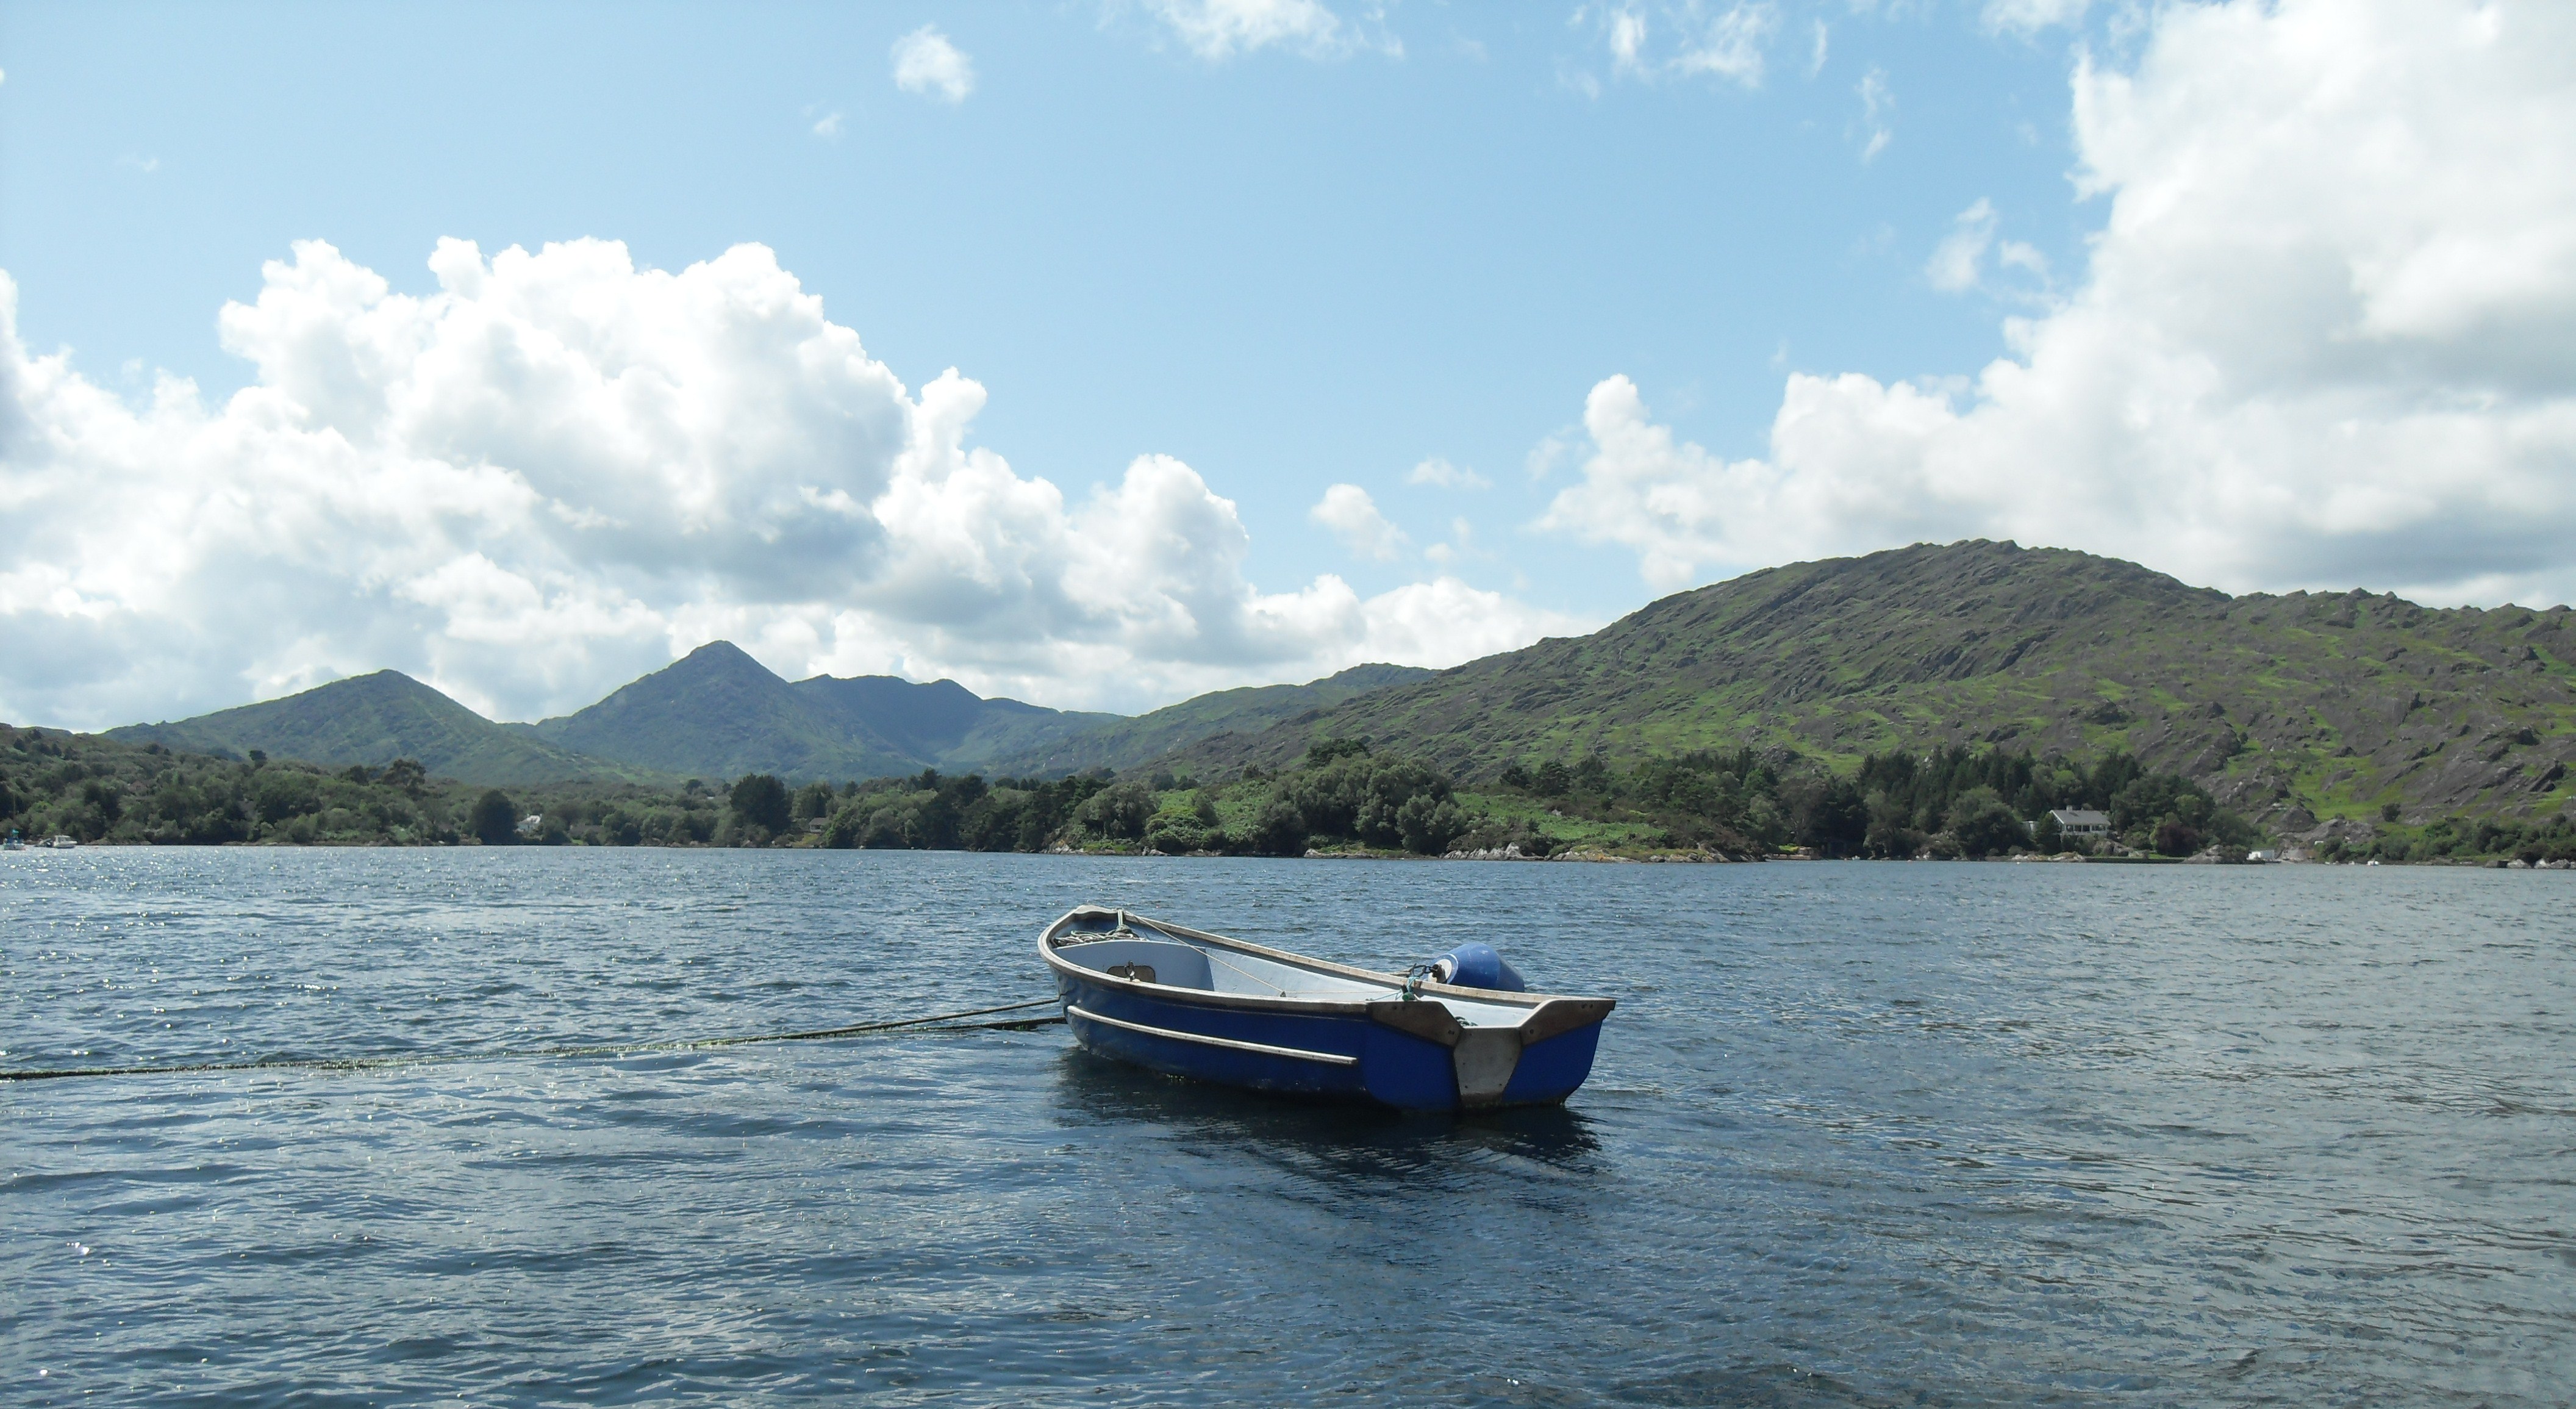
x=1460 y=1033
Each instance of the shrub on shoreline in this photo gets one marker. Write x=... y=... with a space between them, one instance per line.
x=1343 y=796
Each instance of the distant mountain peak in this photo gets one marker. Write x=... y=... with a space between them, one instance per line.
x=718 y=713
x=374 y=719
x=719 y=658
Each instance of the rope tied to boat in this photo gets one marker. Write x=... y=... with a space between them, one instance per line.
x=933 y=1022
x=1414 y=978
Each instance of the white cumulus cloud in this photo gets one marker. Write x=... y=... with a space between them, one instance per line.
x=558 y=471
x=925 y=62
x=2323 y=340
x=1445 y=622
x=1353 y=517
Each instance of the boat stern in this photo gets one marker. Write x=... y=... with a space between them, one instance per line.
x=1426 y=1059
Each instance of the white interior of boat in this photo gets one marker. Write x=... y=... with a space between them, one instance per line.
x=1136 y=949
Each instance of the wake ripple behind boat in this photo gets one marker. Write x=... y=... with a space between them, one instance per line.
x=1194 y=1004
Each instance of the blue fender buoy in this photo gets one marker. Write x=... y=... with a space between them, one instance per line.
x=1476 y=965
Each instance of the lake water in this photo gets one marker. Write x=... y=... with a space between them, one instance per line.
x=1868 y=1134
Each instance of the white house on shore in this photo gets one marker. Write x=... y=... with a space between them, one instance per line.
x=2079 y=824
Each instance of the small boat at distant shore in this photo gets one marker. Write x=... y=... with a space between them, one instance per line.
x=1459 y=1033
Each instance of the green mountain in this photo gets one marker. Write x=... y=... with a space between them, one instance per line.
x=717 y=713
x=375 y=719
x=2290 y=708
x=1121 y=744
x=943 y=723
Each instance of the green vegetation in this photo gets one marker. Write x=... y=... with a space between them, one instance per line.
x=716 y=713
x=93 y=788
x=2275 y=706
x=495 y=819
x=1953 y=802
x=373 y=719
x=1931 y=701
x=2361 y=719
x=935 y=812
x=2463 y=839
x=760 y=800
x=1127 y=744
x=1342 y=797
x=719 y=713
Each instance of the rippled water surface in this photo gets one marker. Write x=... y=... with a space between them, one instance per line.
x=1859 y=1134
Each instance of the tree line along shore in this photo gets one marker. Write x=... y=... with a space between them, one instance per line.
x=1342 y=798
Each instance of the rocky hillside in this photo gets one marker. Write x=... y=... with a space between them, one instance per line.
x=2290 y=708
x=1121 y=744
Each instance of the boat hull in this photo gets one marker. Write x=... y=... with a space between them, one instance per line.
x=1325 y=1052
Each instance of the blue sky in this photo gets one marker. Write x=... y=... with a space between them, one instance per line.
x=1286 y=271
x=1428 y=231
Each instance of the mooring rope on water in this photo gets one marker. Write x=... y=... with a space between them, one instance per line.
x=613 y=1049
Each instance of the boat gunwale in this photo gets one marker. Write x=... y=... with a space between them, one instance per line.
x=1351 y=1007
x=1174 y=1034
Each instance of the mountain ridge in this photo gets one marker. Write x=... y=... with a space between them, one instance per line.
x=374 y=719
x=1132 y=742
x=718 y=713
x=942 y=723
x=2291 y=707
